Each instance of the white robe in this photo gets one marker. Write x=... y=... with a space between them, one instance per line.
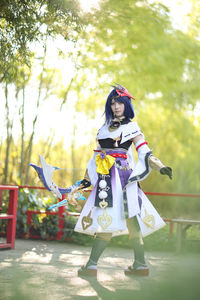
x=95 y=219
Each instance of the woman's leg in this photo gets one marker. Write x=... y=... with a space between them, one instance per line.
x=137 y=244
x=100 y=242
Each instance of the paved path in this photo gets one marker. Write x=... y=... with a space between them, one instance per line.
x=48 y=270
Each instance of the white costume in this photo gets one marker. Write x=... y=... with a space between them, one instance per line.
x=94 y=219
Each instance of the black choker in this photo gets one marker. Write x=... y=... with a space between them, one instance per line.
x=115 y=123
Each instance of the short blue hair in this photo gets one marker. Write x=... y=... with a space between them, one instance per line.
x=128 y=107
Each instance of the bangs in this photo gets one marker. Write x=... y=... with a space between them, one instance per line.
x=128 y=107
x=118 y=99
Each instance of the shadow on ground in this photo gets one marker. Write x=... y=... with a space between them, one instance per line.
x=48 y=270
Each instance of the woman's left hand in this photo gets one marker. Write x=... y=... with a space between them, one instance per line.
x=166 y=171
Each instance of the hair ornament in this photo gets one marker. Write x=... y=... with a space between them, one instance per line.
x=122 y=92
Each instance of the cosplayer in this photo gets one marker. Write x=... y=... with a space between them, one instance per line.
x=116 y=204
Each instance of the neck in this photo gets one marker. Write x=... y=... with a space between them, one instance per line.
x=119 y=118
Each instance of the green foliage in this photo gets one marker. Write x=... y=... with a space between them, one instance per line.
x=134 y=43
x=42 y=224
x=130 y=42
x=158 y=241
x=46 y=226
x=81 y=239
x=25 y=22
x=139 y=48
x=193 y=19
x=161 y=240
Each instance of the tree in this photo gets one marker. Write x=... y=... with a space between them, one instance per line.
x=25 y=22
x=135 y=44
x=193 y=19
x=22 y=24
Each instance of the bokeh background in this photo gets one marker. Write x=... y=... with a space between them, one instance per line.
x=58 y=60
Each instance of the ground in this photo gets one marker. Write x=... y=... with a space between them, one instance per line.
x=48 y=270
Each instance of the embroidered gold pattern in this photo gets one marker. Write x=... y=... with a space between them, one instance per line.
x=149 y=220
x=104 y=220
x=87 y=221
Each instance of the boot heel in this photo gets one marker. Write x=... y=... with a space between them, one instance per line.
x=137 y=272
x=87 y=272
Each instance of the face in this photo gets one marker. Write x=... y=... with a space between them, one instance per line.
x=117 y=108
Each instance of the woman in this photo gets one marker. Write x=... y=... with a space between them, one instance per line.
x=116 y=204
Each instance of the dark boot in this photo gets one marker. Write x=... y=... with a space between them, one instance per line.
x=90 y=269
x=139 y=266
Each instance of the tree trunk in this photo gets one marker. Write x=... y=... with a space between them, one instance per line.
x=8 y=136
x=73 y=156
x=30 y=144
x=22 y=137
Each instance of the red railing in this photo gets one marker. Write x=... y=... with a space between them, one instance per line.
x=61 y=215
x=61 y=211
x=171 y=224
x=60 y=220
x=10 y=216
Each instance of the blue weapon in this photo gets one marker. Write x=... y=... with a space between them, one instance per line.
x=65 y=202
x=40 y=173
x=61 y=203
x=45 y=175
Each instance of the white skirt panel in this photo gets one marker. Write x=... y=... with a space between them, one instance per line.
x=149 y=220
x=111 y=220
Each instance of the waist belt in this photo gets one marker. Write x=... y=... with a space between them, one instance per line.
x=119 y=155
